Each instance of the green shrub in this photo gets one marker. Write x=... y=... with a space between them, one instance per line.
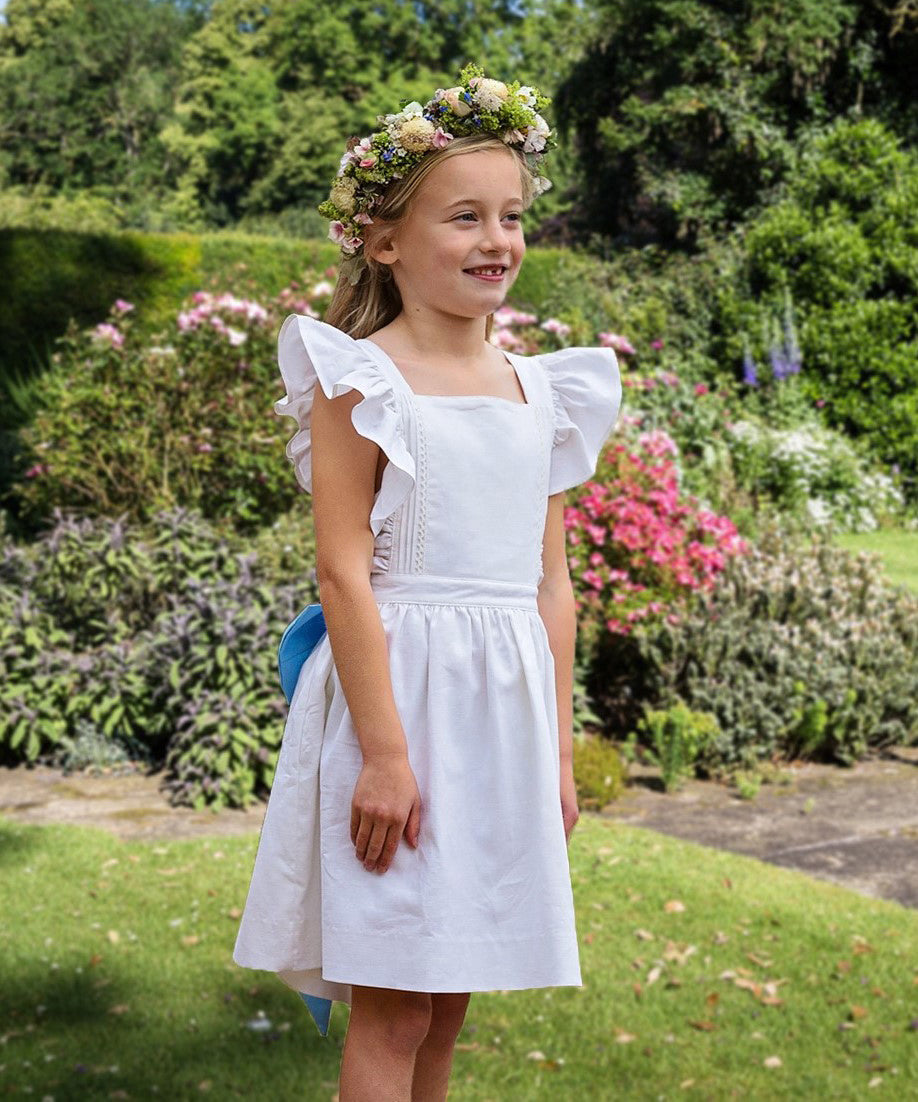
x=842 y=240
x=186 y=670
x=801 y=650
x=676 y=740
x=599 y=772
x=131 y=427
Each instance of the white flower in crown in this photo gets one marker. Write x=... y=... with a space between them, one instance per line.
x=536 y=135
x=526 y=96
x=488 y=94
x=409 y=111
x=454 y=100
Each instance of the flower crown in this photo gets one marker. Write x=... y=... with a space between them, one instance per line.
x=476 y=105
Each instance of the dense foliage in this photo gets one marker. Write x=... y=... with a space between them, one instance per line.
x=164 y=636
x=685 y=114
x=800 y=651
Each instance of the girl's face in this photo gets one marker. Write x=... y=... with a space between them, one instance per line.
x=466 y=217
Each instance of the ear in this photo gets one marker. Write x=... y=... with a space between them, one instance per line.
x=380 y=243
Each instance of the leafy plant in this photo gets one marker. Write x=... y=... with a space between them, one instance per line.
x=599 y=771
x=800 y=650
x=676 y=738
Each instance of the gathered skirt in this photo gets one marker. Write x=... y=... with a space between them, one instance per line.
x=485 y=901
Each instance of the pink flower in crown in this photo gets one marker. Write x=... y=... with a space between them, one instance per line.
x=351 y=244
x=441 y=138
x=336 y=233
x=363 y=219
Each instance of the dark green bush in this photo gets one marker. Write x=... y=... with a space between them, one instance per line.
x=843 y=240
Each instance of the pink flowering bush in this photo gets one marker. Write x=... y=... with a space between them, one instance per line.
x=637 y=547
x=132 y=422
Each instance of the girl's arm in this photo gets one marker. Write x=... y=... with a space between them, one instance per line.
x=386 y=803
x=556 y=607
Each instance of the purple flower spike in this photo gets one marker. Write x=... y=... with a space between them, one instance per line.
x=749 y=372
x=779 y=366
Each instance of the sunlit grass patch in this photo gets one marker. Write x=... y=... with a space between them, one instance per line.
x=705 y=974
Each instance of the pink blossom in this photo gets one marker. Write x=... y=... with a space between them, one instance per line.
x=616 y=341
x=122 y=306
x=363 y=219
x=441 y=138
x=107 y=332
x=205 y=447
x=701 y=388
x=657 y=344
x=559 y=328
x=35 y=470
x=236 y=336
x=337 y=233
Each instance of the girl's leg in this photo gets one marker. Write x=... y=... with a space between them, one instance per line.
x=435 y=1056
x=385 y=1030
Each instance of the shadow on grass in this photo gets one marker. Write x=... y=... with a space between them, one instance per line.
x=107 y=1034
x=15 y=843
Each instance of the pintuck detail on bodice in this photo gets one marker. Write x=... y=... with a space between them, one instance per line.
x=478 y=465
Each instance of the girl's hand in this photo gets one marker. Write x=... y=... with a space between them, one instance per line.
x=569 y=810
x=386 y=798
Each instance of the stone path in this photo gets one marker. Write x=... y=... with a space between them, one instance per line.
x=857 y=826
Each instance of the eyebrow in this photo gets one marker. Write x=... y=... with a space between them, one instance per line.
x=475 y=202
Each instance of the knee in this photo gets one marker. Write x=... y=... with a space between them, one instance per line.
x=399 y=1019
x=446 y=1018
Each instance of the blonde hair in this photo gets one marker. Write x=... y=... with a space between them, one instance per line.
x=374 y=300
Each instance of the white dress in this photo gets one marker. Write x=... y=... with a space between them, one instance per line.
x=485 y=901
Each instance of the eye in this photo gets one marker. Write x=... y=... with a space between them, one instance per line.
x=515 y=216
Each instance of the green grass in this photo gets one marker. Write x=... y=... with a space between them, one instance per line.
x=898 y=548
x=118 y=981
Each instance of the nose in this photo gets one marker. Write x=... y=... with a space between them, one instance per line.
x=496 y=237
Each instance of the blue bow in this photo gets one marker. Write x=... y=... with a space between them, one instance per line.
x=299 y=640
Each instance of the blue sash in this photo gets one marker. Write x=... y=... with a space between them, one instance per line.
x=299 y=640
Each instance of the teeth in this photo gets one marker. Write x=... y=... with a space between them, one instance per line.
x=488 y=271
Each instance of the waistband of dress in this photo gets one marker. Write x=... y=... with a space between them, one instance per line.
x=444 y=589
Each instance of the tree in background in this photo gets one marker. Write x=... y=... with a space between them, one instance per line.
x=84 y=91
x=269 y=91
x=684 y=114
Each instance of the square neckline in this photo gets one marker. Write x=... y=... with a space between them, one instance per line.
x=458 y=397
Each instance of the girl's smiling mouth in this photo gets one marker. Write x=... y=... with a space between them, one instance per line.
x=493 y=273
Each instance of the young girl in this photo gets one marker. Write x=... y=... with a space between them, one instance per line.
x=414 y=847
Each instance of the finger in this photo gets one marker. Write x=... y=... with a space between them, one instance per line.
x=413 y=826
x=363 y=837
x=388 y=851
x=376 y=843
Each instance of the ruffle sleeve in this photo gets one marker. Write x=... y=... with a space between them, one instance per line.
x=309 y=352
x=586 y=391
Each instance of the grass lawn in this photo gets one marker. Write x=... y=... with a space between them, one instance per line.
x=898 y=548
x=706 y=975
